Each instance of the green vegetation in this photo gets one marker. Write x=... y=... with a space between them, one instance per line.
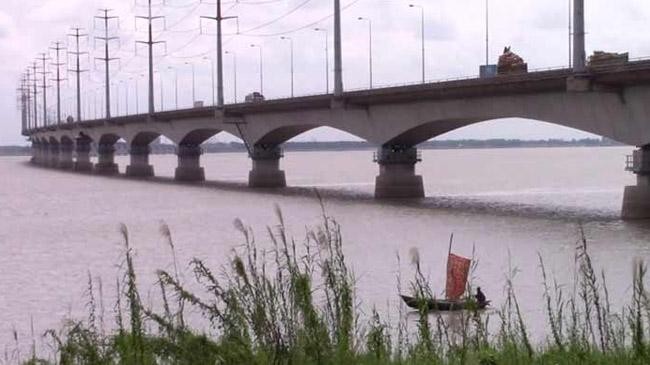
x=294 y=303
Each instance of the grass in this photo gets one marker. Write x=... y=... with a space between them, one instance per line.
x=294 y=303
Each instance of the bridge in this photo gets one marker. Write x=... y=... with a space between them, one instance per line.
x=611 y=101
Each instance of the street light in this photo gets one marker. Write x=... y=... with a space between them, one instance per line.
x=261 y=67
x=422 y=36
x=327 y=59
x=193 y=84
x=234 y=62
x=126 y=84
x=369 y=46
x=212 y=73
x=175 y=85
x=291 y=47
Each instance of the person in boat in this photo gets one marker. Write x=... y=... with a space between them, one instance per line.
x=480 y=297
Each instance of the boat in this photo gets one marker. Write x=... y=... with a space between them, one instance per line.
x=446 y=305
x=455 y=298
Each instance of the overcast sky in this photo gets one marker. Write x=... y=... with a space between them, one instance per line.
x=455 y=46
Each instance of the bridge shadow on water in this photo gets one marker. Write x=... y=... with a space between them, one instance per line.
x=454 y=205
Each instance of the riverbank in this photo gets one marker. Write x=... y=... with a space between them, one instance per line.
x=161 y=148
x=284 y=301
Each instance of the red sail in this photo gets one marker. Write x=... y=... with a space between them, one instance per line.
x=457 y=272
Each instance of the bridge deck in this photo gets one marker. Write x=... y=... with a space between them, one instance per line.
x=533 y=82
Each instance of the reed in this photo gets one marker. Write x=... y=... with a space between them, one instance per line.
x=293 y=302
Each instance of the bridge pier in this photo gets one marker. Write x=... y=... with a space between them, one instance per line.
x=65 y=156
x=37 y=151
x=189 y=164
x=266 y=171
x=82 y=149
x=106 y=160
x=139 y=166
x=53 y=155
x=397 y=178
x=636 y=198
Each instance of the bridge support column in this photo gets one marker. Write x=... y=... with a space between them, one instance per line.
x=53 y=155
x=36 y=153
x=636 y=199
x=266 y=171
x=82 y=149
x=397 y=178
x=65 y=156
x=189 y=164
x=106 y=160
x=139 y=166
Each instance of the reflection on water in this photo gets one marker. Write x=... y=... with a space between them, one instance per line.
x=57 y=226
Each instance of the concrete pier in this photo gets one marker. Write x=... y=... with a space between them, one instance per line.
x=636 y=198
x=189 y=164
x=139 y=166
x=37 y=153
x=266 y=171
x=106 y=160
x=397 y=178
x=82 y=149
x=65 y=156
x=53 y=155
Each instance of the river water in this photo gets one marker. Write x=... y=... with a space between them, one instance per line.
x=507 y=204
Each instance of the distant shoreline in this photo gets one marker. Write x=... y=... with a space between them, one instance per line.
x=161 y=149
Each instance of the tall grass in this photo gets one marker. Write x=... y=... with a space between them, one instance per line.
x=293 y=302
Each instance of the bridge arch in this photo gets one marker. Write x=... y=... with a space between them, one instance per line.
x=429 y=130
x=280 y=135
x=198 y=136
x=108 y=139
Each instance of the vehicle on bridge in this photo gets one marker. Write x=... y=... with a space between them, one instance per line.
x=254 y=97
x=600 y=60
x=511 y=63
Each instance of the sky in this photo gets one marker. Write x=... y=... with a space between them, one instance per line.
x=454 y=47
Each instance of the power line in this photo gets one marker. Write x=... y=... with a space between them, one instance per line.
x=107 y=59
x=57 y=48
x=77 y=35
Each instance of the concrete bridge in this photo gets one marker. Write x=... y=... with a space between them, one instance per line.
x=613 y=102
x=609 y=100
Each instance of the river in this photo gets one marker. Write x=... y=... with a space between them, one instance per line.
x=507 y=204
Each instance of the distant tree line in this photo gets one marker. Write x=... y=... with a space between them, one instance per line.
x=216 y=147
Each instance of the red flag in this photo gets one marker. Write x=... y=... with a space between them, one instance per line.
x=457 y=272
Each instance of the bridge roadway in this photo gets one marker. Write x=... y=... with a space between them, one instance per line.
x=609 y=101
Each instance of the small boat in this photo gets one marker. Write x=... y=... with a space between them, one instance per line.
x=446 y=305
x=455 y=298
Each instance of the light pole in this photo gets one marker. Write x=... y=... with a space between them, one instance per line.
x=193 y=84
x=291 y=48
x=261 y=67
x=327 y=59
x=422 y=36
x=212 y=73
x=175 y=85
x=234 y=76
x=126 y=85
x=369 y=46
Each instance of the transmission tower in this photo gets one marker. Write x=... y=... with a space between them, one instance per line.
x=44 y=58
x=107 y=59
x=77 y=70
x=29 y=99
x=150 y=43
x=57 y=48
x=219 y=18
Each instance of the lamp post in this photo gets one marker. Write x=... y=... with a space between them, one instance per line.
x=422 y=36
x=291 y=49
x=327 y=59
x=261 y=67
x=214 y=102
x=234 y=63
x=175 y=85
x=369 y=46
x=193 y=84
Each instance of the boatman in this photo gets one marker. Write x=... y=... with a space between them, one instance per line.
x=480 y=297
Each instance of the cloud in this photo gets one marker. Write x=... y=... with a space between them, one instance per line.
x=7 y=26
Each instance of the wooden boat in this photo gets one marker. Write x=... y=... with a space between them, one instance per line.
x=455 y=298
x=446 y=305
